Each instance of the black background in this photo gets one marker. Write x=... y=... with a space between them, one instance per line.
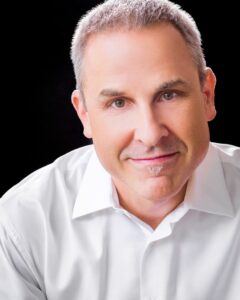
x=38 y=123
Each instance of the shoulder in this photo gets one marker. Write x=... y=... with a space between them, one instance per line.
x=228 y=154
x=71 y=164
x=47 y=189
x=37 y=211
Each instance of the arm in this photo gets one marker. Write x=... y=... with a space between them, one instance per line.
x=17 y=278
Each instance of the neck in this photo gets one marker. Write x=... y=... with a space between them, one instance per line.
x=152 y=212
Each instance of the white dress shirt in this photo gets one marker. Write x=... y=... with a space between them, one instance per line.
x=63 y=236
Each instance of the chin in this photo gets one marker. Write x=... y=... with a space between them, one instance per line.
x=160 y=188
x=156 y=194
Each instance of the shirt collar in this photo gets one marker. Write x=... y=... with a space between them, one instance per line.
x=96 y=190
x=207 y=190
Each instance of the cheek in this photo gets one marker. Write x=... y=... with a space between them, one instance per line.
x=112 y=133
x=194 y=128
x=189 y=123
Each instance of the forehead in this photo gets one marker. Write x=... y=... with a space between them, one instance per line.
x=121 y=55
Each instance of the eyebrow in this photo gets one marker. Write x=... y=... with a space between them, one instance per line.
x=163 y=86
x=171 y=84
x=111 y=93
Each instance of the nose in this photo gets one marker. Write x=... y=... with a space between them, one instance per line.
x=150 y=127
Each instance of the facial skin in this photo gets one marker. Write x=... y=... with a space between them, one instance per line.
x=147 y=115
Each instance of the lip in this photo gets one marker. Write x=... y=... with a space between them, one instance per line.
x=155 y=160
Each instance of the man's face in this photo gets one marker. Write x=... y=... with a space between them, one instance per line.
x=146 y=112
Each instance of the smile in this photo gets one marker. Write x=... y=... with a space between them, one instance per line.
x=155 y=160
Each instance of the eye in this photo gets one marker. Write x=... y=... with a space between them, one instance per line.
x=118 y=103
x=168 y=96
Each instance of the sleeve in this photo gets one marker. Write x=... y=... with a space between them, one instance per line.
x=17 y=278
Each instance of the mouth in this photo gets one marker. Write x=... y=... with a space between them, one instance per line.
x=155 y=160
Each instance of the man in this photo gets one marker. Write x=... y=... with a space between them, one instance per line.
x=152 y=209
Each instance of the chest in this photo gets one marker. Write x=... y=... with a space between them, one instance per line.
x=115 y=260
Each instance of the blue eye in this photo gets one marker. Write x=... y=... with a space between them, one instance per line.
x=119 y=103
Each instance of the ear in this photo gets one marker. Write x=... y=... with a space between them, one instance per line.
x=208 y=90
x=79 y=105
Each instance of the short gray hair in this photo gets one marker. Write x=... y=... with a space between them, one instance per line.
x=131 y=14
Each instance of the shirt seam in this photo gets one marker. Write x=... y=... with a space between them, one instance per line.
x=19 y=244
